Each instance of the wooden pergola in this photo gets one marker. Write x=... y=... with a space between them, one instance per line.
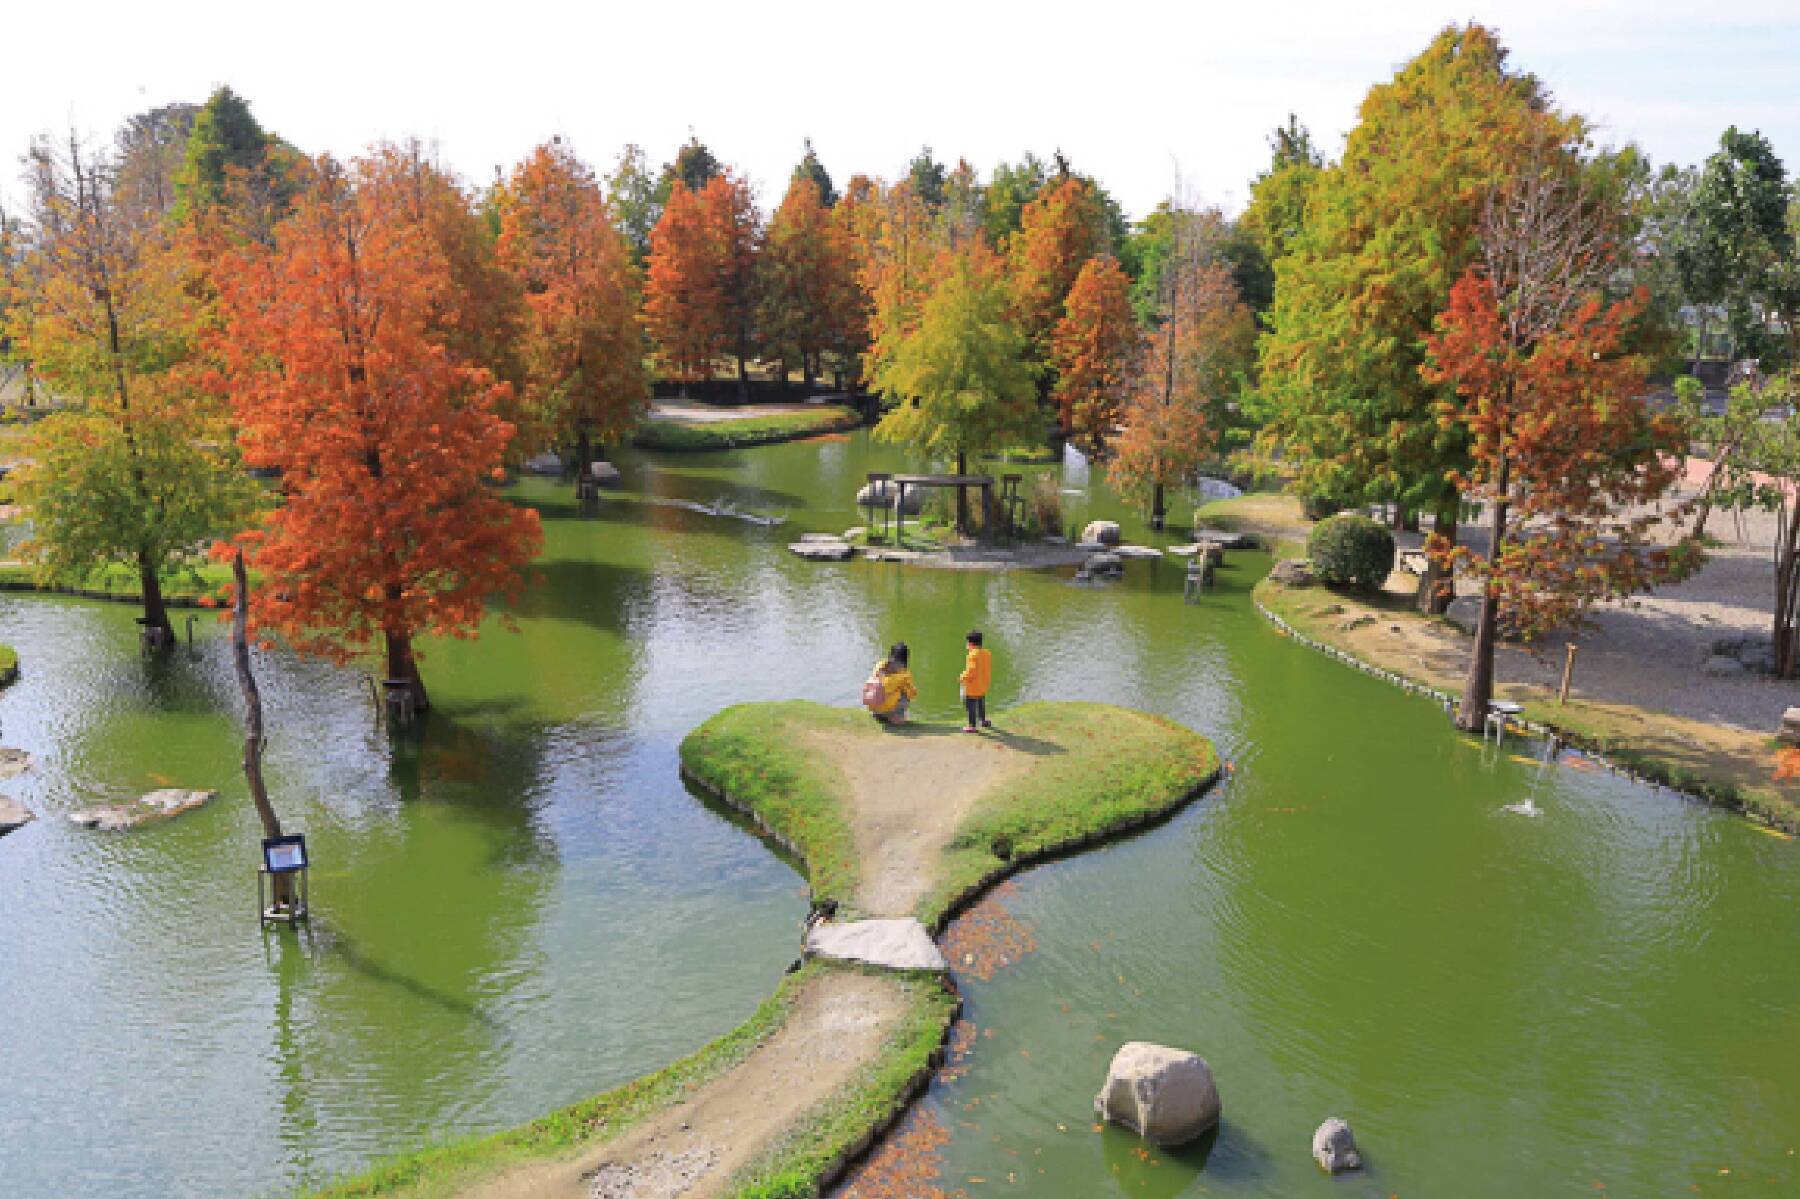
x=902 y=482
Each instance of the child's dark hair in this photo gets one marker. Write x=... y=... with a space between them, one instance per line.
x=974 y=638
x=899 y=654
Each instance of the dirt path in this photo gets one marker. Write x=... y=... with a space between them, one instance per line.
x=911 y=788
x=689 y=1151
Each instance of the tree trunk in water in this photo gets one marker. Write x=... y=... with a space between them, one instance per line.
x=283 y=884
x=962 y=496
x=1157 y=511
x=1478 y=690
x=808 y=370
x=1438 y=587
x=156 y=613
x=743 y=360
x=401 y=665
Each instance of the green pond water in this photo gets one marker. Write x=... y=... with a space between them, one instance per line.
x=521 y=905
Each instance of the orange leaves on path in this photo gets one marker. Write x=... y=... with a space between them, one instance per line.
x=385 y=440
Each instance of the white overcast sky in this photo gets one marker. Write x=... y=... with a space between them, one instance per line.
x=1127 y=89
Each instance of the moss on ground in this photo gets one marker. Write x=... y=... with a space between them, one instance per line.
x=693 y=436
x=1097 y=770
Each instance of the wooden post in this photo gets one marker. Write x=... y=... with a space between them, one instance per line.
x=1562 y=694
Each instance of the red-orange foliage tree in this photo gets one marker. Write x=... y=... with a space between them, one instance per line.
x=732 y=224
x=1058 y=232
x=1092 y=352
x=1188 y=370
x=385 y=440
x=809 y=297
x=583 y=347
x=1564 y=451
x=683 y=296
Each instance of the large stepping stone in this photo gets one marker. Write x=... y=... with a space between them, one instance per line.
x=897 y=944
x=831 y=550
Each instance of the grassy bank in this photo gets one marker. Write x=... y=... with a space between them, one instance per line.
x=1726 y=766
x=691 y=436
x=1096 y=770
x=182 y=588
x=823 y=1140
x=9 y=664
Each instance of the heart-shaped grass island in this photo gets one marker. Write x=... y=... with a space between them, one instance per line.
x=898 y=827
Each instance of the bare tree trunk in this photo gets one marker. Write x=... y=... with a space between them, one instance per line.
x=401 y=665
x=1478 y=689
x=962 y=496
x=584 y=454
x=156 y=612
x=1158 y=510
x=1787 y=593
x=253 y=719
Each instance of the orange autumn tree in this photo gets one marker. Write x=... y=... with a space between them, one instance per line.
x=583 y=346
x=809 y=284
x=1564 y=452
x=385 y=439
x=683 y=294
x=1189 y=369
x=733 y=228
x=900 y=258
x=1091 y=352
x=1059 y=231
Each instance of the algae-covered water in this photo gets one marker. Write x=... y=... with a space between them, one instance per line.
x=522 y=905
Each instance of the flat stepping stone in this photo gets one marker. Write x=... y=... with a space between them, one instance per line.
x=896 y=944
x=823 y=551
x=1136 y=551
x=13 y=815
x=157 y=805
x=1224 y=540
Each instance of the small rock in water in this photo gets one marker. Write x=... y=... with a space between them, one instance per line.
x=1164 y=1095
x=13 y=762
x=1334 y=1147
x=13 y=815
x=1101 y=532
x=1719 y=666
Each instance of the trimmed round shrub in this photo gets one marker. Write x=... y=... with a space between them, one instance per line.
x=1351 y=551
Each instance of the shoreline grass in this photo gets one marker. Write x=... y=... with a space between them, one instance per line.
x=680 y=436
x=183 y=587
x=1727 y=768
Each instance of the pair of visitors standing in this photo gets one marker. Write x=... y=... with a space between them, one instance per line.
x=890 y=690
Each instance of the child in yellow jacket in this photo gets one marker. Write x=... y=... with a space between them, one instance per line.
x=977 y=677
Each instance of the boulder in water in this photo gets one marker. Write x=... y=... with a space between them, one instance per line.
x=1334 y=1147
x=1101 y=532
x=13 y=815
x=604 y=474
x=881 y=495
x=544 y=464
x=1164 y=1095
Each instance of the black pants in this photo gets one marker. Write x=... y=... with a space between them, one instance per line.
x=977 y=709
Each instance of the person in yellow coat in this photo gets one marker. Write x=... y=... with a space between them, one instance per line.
x=890 y=689
x=977 y=677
